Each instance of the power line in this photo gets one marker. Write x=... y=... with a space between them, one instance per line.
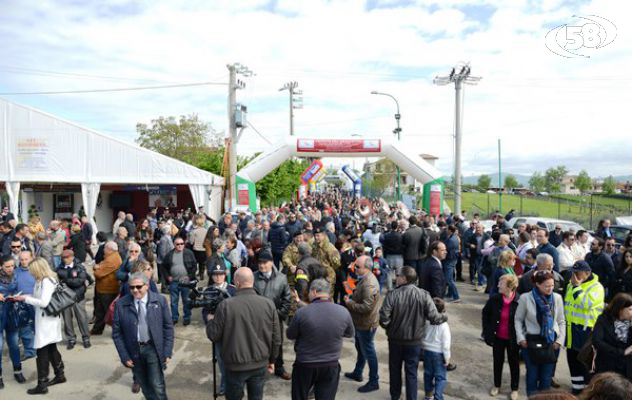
x=258 y=133
x=179 y=85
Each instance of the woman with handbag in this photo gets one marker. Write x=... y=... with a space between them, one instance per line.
x=612 y=337
x=540 y=330
x=47 y=327
x=9 y=321
x=499 y=331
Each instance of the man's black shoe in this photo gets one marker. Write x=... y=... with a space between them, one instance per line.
x=86 y=344
x=70 y=345
x=19 y=377
x=451 y=367
x=350 y=375
x=369 y=387
x=186 y=322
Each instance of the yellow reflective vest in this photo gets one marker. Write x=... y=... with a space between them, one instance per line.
x=583 y=304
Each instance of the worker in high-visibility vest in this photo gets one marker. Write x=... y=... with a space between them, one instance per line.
x=583 y=304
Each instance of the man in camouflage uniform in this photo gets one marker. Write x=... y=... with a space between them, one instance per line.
x=291 y=257
x=327 y=254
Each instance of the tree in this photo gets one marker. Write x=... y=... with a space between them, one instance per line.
x=536 y=182
x=583 y=183
x=511 y=182
x=609 y=185
x=187 y=139
x=484 y=182
x=280 y=184
x=553 y=178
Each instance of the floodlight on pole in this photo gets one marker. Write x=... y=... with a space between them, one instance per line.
x=396 y=131
x=459 y=75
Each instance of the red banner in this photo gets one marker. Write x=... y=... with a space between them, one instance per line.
x=338 y=145
x=435 y=199
x=312 y=170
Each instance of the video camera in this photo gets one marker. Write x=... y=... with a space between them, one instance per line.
x=207 y=298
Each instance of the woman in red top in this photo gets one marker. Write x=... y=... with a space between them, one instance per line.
x=499 y=332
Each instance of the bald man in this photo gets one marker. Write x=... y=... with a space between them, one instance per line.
x=250 y=325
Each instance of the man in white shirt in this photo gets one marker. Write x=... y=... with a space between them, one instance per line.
x=567 y=256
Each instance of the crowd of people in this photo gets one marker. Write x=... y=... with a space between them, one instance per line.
x=329 y=267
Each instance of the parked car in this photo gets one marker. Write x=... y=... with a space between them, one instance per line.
x=620 y=232
x=546 y=223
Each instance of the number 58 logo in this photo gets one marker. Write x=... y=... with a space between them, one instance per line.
x=595 y=34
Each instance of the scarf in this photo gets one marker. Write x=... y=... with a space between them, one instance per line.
x=621 y=329
x=544 y=307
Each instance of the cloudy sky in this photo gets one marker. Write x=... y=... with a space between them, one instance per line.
x=546 y=109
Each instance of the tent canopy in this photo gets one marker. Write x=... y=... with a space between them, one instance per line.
x=39 y=147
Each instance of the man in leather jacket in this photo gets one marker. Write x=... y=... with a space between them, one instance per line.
x=403 y=315
x=271 y=283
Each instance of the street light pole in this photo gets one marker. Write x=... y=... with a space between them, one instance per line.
x=397 y=131
x=459 y=75
x=295 y=101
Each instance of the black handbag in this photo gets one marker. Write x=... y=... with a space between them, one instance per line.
x=63 y=297
x=539 y=351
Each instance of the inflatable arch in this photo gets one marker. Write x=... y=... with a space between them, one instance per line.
x=406 y=158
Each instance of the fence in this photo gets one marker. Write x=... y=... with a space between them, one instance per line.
x=586 y=210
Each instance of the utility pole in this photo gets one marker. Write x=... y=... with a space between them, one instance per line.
x=459 y=75
x=233 y=85
x=500 y=181
x=396 y=131
x=295 y=101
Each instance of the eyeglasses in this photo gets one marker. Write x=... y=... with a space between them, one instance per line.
x=134 y=251
x=136 y=287
x=16 y=247
x=179 y=244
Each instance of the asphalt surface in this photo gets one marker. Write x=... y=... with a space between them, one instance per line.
x=96 y=373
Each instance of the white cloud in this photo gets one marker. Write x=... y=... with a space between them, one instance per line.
x=544 y=107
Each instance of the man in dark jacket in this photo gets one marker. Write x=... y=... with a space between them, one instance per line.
x=600 y=263
x=279 y=239
x=403 y=315
x=431 y=277
x=542 y=236
x=449 y=263
x=180 y=265
x=544 y=262
x=293 y=225
x=143 y=335
x=72 y=273
x=414 y=242
x=271 y=283
x=249 y=323
x=392 y=244
x=318 y=330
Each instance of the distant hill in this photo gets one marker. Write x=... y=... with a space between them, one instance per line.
x=523 y=180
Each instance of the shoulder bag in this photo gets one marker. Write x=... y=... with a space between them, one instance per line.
x=63 y=297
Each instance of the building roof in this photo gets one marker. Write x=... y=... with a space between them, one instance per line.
x=40 y=147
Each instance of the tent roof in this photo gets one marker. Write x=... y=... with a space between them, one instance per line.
x=40 y=147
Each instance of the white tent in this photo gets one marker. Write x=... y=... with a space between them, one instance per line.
x=41 y=148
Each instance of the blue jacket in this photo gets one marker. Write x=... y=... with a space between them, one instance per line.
x=26 y=281
x=452 y=245
x=125 y=330
x=278 y=237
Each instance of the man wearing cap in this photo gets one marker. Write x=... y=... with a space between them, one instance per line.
x=271 y=283
x=72 y=273
x=583 y=304
x=218 y=277
x=327 y=254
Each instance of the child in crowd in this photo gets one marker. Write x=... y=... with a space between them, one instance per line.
x=380 y=267
x=436 y=345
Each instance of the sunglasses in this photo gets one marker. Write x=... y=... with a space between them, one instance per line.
x=16 y=247
x=134 y=251
x=179 y=244
x=136 y=287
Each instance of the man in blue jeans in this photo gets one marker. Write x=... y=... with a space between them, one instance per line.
x=26 y=284
x=364 y=305
x=449 y=263
x=181 y=266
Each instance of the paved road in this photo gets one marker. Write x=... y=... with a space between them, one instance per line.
x=96 y=373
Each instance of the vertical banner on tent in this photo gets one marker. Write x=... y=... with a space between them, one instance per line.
x=246 y=194
x=13 y=190
x=89 y=196
x=243 y=194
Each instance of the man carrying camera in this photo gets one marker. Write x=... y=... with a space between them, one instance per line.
x=271 y=283
x=250 y=325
